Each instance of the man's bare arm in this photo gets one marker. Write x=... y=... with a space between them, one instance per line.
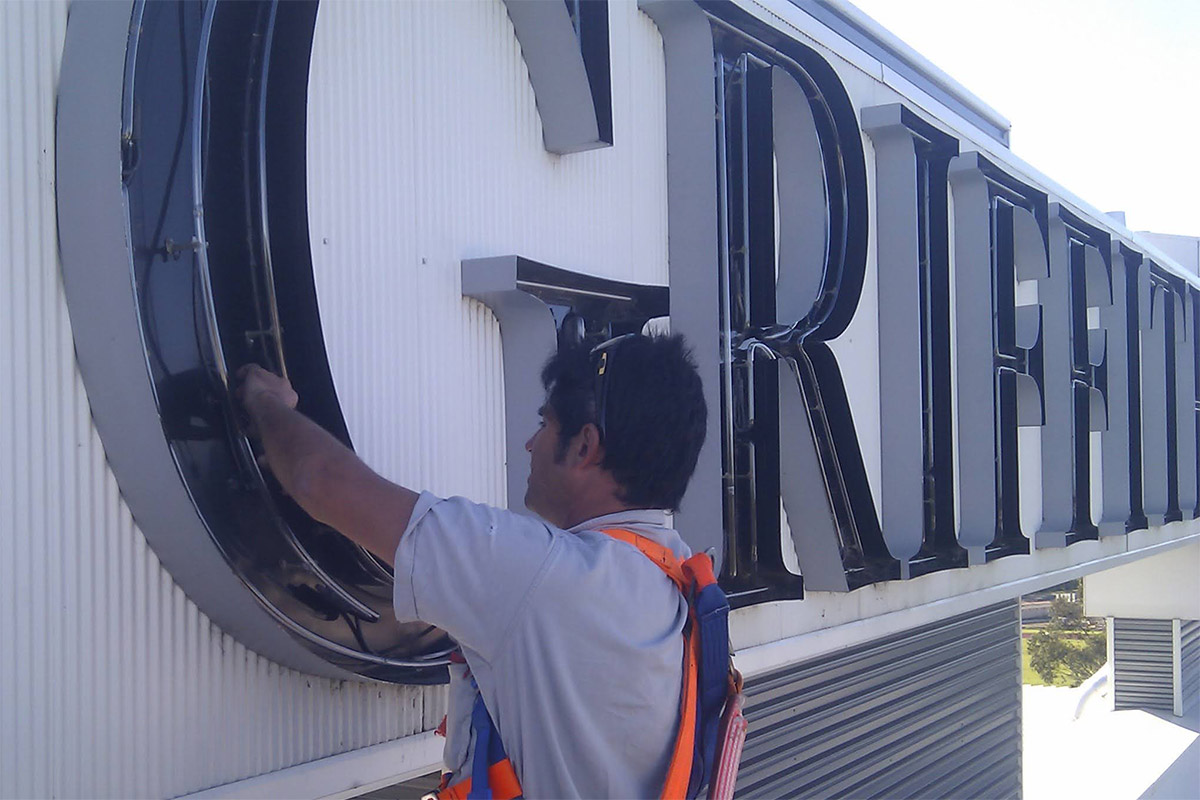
x=321 y=474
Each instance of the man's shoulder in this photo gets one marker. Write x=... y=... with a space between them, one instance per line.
x=467 y=567
x=592 y=566
x=584 y=556
x=433 y=511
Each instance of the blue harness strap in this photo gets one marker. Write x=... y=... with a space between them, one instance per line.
x=492 y=776
x=712 y=617
x=489 y=749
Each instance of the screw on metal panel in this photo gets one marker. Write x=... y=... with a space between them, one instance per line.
x=174 y=250
x=275 y=333
x=129 y=157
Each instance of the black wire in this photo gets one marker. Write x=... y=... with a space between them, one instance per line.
x=185 y=109
x=355 y=625
x=153 y=346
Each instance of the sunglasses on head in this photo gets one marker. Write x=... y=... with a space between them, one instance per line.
x=602 y=359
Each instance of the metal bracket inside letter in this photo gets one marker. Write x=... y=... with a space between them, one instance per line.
x=527 y=338
x=573 y=96
x=519 y=292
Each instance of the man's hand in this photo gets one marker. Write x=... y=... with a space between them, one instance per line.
x=256 y=385
x=320 y=473
x=256 y=390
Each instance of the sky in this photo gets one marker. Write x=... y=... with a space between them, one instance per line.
x=1103 y=95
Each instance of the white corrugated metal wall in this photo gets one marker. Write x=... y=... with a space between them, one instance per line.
x=425 y=148
x=112 y=683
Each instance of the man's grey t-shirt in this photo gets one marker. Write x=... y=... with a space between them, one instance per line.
x=574 y=639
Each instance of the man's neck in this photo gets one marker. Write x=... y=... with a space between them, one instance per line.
x=592 y=511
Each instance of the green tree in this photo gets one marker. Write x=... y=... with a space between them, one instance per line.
x=1046 y=652
x=1067 y=649
x=1066 y=615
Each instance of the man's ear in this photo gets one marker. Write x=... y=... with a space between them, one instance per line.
x=586 y=449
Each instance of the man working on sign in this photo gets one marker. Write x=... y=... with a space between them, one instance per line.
x=571 y=636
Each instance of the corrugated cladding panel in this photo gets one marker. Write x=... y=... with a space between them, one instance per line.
x=1189 y=663
x=425 y=148
x=931 y=712
x=1142 y=670
x=112 y=684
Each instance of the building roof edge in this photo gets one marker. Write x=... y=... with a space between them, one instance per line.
x=877 y=41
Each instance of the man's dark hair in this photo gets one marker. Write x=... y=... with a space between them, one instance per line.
x=655 y=415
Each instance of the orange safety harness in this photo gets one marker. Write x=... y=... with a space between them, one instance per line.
x=718 y=761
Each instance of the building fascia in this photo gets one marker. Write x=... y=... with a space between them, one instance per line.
x=341 y=776
x=782 y=643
